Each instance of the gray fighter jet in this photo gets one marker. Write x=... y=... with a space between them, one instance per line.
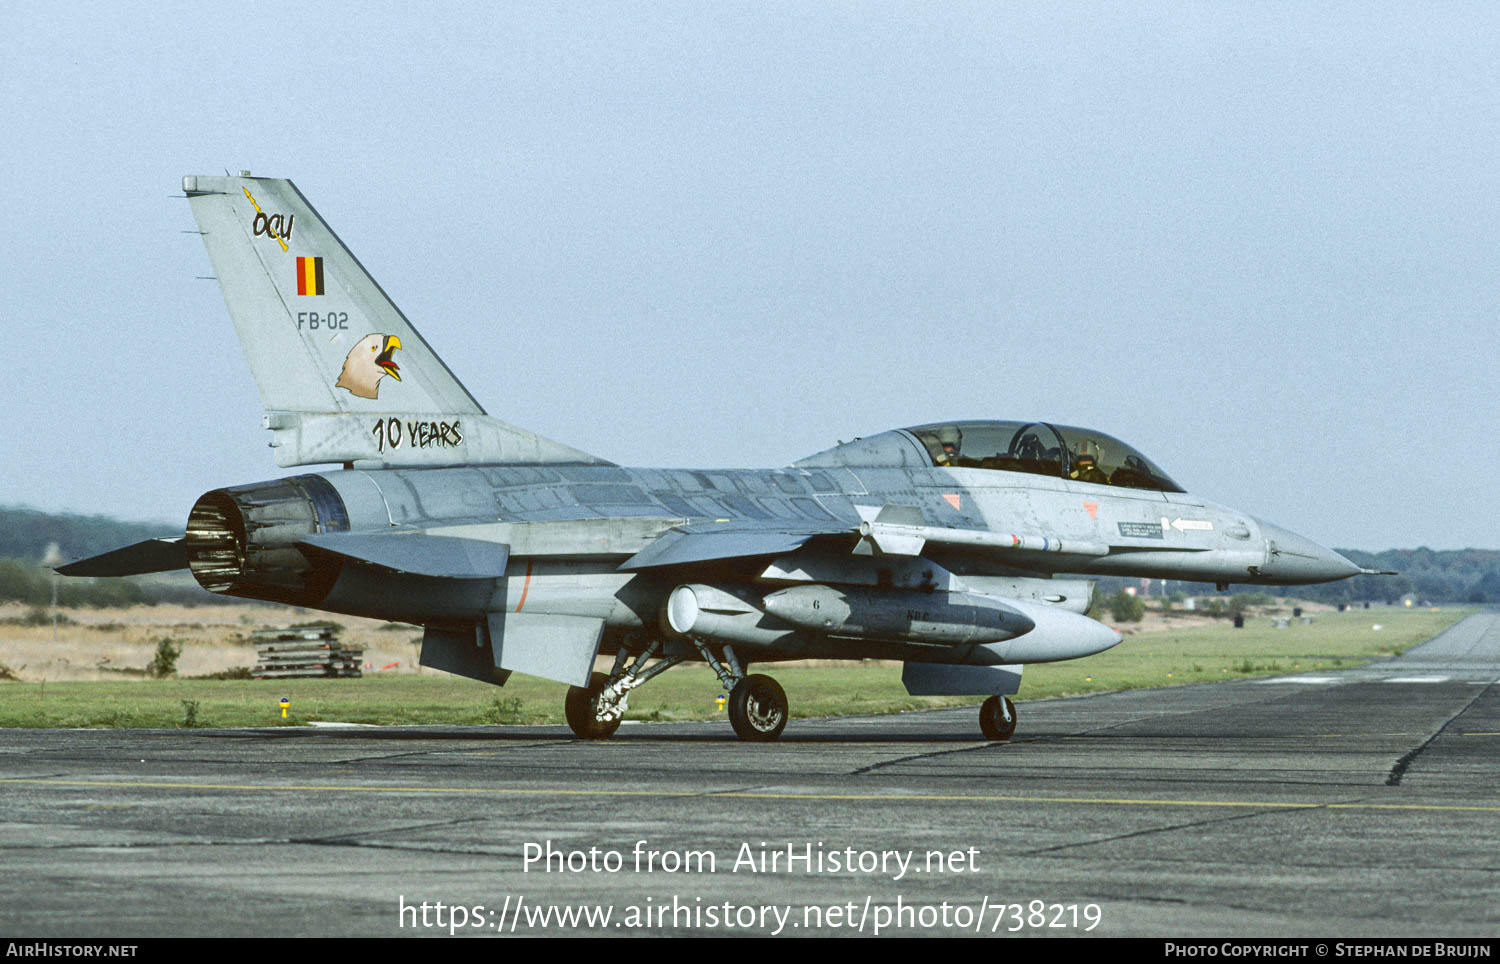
x=943 y=546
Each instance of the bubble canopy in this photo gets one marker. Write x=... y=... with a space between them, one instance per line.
x=1041 y=448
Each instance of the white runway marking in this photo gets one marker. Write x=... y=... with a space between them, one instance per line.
x=1416 y=679
x=1301 y=679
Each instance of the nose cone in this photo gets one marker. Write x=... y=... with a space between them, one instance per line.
x=1292 y=560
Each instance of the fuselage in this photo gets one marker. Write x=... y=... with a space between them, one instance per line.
x=570 y=527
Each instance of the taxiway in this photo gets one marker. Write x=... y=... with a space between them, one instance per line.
x=1359 y=803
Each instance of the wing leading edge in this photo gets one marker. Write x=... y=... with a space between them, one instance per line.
x=706 y=542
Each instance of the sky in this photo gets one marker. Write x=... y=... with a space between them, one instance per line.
x=1259 y=242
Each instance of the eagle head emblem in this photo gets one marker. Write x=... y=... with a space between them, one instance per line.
x=368 y=362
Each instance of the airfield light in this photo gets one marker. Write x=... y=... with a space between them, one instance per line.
x=285 y=705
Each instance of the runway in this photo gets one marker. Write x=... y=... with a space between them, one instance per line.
x=1361 y=803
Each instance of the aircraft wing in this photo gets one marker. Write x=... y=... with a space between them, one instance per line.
x=708 y=541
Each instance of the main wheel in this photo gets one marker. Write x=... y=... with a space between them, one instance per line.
x=997 y=718
x=582 y=707
x=758 y=708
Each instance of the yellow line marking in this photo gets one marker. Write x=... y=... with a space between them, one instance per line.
x=756 y=795
x=268 y=223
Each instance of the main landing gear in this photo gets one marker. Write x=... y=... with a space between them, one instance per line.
x=757 y=708
x=997 y=718
x=757 y=703
x=584 y=713
x=594 y=712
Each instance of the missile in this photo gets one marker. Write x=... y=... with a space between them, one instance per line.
x=945 y=618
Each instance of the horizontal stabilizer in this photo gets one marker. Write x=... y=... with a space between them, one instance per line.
x=446 y=557
x=702 y=543
x=153 y=555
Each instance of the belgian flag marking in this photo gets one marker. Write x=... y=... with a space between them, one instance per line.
x=309 y=276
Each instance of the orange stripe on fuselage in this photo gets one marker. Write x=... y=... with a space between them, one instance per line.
x=525 y=586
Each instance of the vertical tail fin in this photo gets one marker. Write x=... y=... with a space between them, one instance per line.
x=343 y=375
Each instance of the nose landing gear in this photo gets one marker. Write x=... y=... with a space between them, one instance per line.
x=997 y=718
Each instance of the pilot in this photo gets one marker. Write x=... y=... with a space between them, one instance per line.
x=950 y=438
x=1084 y=470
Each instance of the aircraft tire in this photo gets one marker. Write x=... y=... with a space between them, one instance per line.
x=579 y=707
x=758 y=708
x=992 y=718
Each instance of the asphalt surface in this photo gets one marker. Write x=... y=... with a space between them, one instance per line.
x=1362 y=803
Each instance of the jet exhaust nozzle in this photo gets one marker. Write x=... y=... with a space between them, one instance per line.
x=239 y=540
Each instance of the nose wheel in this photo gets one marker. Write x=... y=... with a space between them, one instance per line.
x=997 y=718
x=757 y=708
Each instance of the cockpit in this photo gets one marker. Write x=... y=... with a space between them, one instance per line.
x=1041 y=448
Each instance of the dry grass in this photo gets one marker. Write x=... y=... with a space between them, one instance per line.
x=112 y=644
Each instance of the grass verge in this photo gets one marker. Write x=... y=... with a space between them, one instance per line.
x=1335 y=641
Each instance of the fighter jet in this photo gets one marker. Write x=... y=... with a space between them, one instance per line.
x=959 y=548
